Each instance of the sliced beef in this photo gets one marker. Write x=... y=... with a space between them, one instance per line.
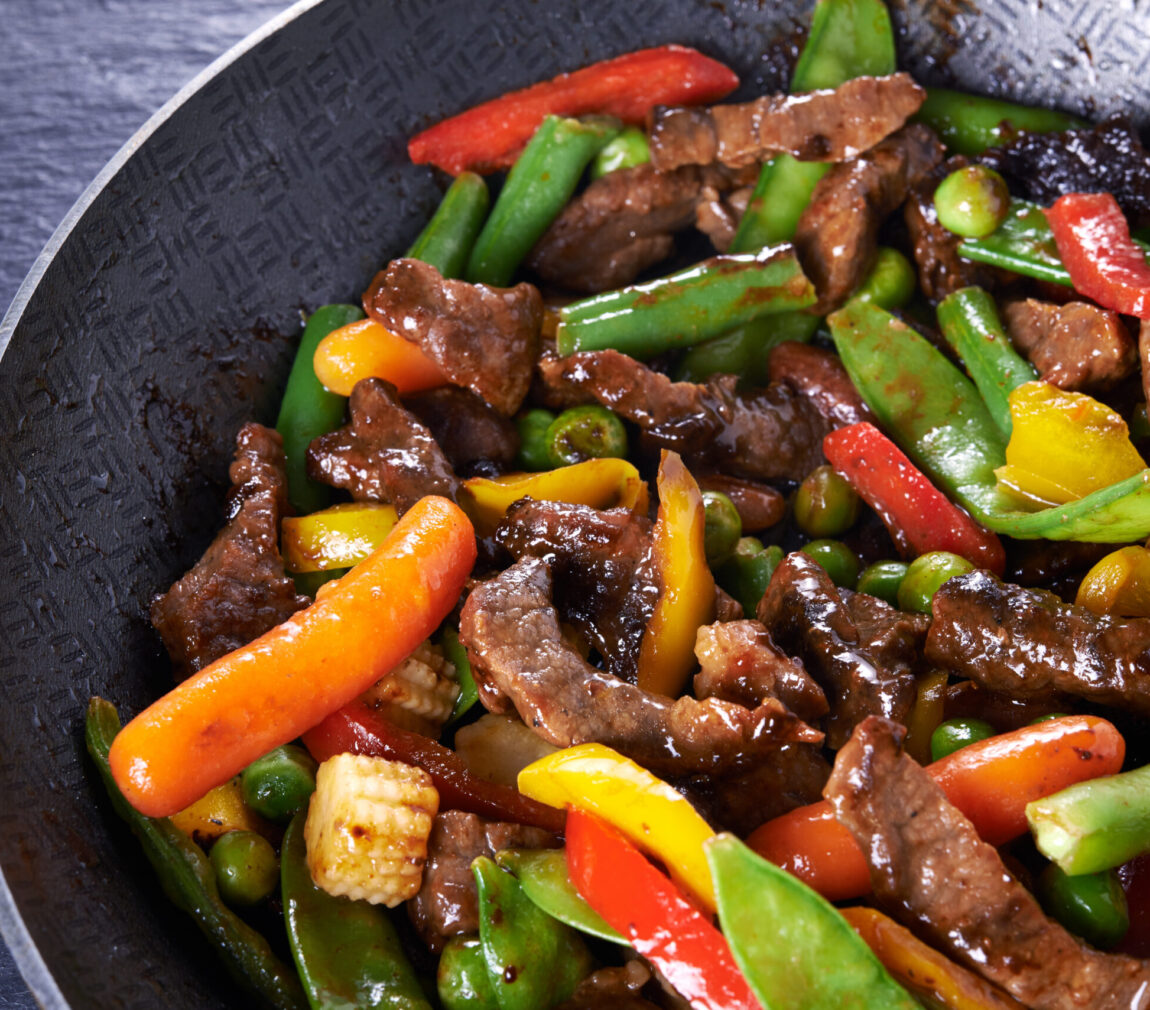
x=931 y=871
x=1027 y=642
x=816 y=126
x=837 y=234
x=740 y=663
x=384 y=454
x=474 y=437
x=861 y=650
x=767 y=434
x=619 y=988
x=820 y=376
x=551 y=388
x=1074 y=346
x=238 y=589
x=518 y=653
x=717 y=215
x=447 y=904
x=759 y=505
x=483 y=338
x=606 y=586
x=966 y=700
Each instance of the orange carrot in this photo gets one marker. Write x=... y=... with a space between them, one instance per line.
x=990 y=782
x=262 y=695
x=366 y=349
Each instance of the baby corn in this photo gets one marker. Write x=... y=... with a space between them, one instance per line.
x=419 y=694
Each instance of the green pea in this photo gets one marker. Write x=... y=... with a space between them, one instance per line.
x=972 y=201
x=1048 y=717
x=825 y=504
x=836 y=559
x=723 y=527
x=925 y=574
x=954 y=734
x=1091 y=905
x=534 y=454
x=627 y=150
x=589 y=432
x=882 y=579
x=462 y=978
x=280 y=783
x=891 y=282
x=246 y=866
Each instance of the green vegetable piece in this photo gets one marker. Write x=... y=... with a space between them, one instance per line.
x=969 y=322
x=748 y=572
x=586 y=432
x=1023 y=243
x=280 y=783
x=891 y=282
x=532 y=426
x=533 y=961
x=794 y=948
x=969 y=124
x=882 y=579
x=308 y=410
x=347 y=952
x=1092 y=905
x=723 y=527
x=836 y=559
x=745 y=350
x=627 y=150
x=925 y=575
x=954 y=734
x=457 y=655
x=687 y=307
x=448 y=237
x=825 y=504
x=1139 y=424
x=187 y=879
x=972 y=201
x=462 y=979
x=1094 y=825
x=537 y=188
x=542 y=873
x=246 y=867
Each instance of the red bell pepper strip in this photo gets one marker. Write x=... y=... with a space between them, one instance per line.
x=1093 y=239
x=640 y=902
x=919 y=517
x=490 y=136
x=359 y=729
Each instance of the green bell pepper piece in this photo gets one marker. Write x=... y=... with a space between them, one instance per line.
x=969 y=124
x=462 y=980
x=447 y=239
x=748 y=572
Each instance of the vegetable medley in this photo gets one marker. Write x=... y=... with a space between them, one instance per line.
x=710 y=571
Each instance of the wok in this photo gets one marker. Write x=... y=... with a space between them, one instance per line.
x=165 y=316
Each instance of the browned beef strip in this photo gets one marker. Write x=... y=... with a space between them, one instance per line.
x=815 y=126
x=931 y=871
x=860 y=649
x=384 y=454
x=517 y=650
x=447 y=904
x=759 y=505
x=238 y=589
x=606 y=585
x=619 y=988
x=551 y=388
x=1075 y=346
x=717 y=214
x=837 y=234
x=474 y=437
x=820 y=376
x=483 y=338
x=766 y=434
x=740 y=663
x=1027 y=641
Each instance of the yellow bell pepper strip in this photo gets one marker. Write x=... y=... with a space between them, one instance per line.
x=219 y=811
x=654 y=816
x=600 y=483
x=927 y=713
x=1119 y=584
x=1064 y=445
x=366 y=348
x=687 y=599
x=337 y=537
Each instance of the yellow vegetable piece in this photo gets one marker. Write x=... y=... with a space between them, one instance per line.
x=219 y=811
x=927 y=713
x=336 y=537
x=1119 y=584
x=654 y=816
x=687 y=600
x=600 y=483
x=365 y=349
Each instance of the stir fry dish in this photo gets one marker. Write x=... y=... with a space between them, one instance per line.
x=709 y=570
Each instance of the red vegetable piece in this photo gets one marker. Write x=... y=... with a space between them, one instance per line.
x=918 y=515
x=359 y=729
x=1094 y=242
x=490 y=136
x=661 y=924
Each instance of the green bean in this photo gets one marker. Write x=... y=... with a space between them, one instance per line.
x=745 y=350
x=954 y=734
x=627 y=150
x=836 y=559
x=457 y=655
x=925 y=575
x=1090 y=905
x=972 y=201
x=447 y=239
x=723 y=527
x=882 y=579
x=891 y=282
x=825 y=504
x=585 y=432
x=969 y=124
x=534 y=454
x=246 y=867
x=281 y=782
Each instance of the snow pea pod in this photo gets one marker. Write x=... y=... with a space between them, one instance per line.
x=447 y=238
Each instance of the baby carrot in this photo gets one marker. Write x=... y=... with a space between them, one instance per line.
x=262 y=695
x=366 y=349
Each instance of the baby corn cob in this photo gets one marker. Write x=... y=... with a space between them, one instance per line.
x=419 y=694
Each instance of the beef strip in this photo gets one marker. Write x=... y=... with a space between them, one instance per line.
x=766 y=434
x=717 y=215
x=860 y=649
x=740 y=663
x=820 y=376
x=238 y=589
x=830 y=125
x=384 y=454
x=474 y=437
x=619 y=988
x=931 y=871
x=1027 y=641
x=550 y=386
x=447 y=904
x=1075 y=346
x=837 y=235
x=518 y=654
x=483 y=338
x=606 y=585
x=759 y=505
